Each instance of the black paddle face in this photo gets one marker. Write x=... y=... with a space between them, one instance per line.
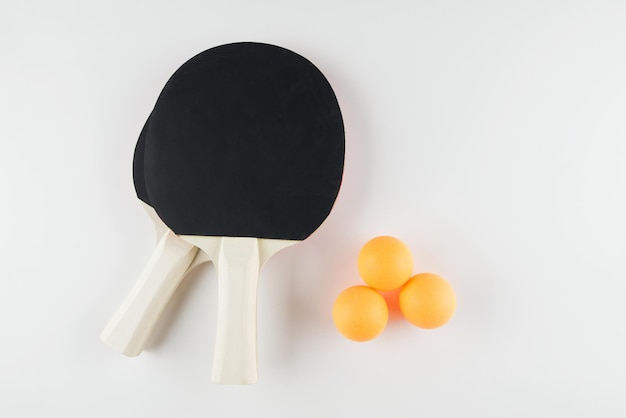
x=138 y=166
x=246 y=140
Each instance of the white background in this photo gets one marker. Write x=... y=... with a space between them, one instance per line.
x=489 y=136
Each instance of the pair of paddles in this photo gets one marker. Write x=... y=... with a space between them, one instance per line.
x=241 y=157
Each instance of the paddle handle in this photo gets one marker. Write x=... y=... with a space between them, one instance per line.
x=160 y=229
x=131 y=326
x=235 y=357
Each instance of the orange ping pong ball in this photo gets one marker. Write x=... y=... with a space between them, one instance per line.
x=385 y=263
x=360 y=313
x=427 y=300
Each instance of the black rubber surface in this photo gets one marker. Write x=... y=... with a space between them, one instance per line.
x=138 y=171
x=246 y=139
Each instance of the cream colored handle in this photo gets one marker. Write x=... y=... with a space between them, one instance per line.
x=238 y=261
x=131 y=326
x=235 y=357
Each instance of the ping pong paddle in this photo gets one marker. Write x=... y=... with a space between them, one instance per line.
x=244 y=158
x=131 y=326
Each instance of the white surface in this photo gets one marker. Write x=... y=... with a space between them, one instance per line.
x=489 y=136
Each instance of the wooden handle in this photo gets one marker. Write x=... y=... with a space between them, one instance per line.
x=235 y=358
x=238 y=261
x=131 y=326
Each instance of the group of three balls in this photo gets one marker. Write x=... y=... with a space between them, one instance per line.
x=385 y=263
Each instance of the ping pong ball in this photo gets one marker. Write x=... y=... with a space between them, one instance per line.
x=385 y=263
x=360 y=313
x=427 y=300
